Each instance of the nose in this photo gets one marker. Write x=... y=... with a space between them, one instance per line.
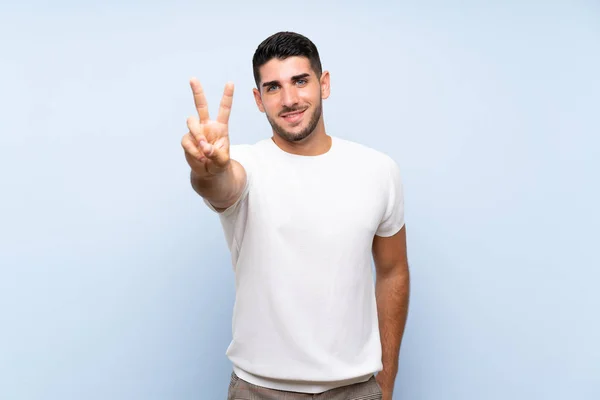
x=289 y=97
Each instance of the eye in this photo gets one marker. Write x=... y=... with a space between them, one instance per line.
x=301 y=82
x=272 y=87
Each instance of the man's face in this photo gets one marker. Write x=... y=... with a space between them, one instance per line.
x=291 y=96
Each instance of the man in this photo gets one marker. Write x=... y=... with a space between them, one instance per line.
x=303 y=213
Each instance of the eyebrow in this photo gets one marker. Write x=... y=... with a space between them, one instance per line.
x=294 y=78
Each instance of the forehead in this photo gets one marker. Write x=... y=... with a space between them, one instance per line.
x=283 y=70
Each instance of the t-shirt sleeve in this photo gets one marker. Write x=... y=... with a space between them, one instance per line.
x=393 y=218
x=241 y=154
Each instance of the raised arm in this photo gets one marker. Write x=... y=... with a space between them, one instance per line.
x=214 y=175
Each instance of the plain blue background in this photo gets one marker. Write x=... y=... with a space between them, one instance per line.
x=115 y=280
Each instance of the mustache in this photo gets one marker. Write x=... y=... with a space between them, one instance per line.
x=286 y=110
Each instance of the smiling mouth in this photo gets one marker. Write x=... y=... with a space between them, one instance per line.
x=292 y=113
x=293 y=116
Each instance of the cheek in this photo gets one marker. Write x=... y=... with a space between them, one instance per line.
x=270 y=103
x=312 y=96
x=272 y=110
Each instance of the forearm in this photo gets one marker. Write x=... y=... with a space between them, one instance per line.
x=221 y=190
x=392 y=292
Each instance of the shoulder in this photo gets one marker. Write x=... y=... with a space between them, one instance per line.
x=242 y=148
x=369 y=157
x=245 y=151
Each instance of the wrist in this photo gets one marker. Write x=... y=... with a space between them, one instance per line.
x=386 y=379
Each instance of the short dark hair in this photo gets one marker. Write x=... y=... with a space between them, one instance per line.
x=282 y=45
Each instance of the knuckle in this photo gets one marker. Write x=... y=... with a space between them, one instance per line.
x=188 y=146
x=190 y=120
x=187 y=138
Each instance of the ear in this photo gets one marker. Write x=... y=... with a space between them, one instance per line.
x=258 y=100
x=325 y=84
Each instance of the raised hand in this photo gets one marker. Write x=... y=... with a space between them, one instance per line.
x=206 y=144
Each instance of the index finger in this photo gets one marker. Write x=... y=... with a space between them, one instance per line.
x=226 y=102
x=199 y=100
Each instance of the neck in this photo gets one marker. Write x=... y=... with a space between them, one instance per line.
x=315 y=144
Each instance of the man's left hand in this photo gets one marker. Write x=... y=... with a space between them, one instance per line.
x=387 y=385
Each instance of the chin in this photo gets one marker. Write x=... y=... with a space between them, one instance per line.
x=297 y=137
x=294 y=136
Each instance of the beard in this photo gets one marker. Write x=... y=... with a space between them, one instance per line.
x=304 y=133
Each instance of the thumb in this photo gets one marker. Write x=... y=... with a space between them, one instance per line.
x=217 y=155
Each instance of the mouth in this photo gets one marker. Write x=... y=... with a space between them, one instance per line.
x=293 y=116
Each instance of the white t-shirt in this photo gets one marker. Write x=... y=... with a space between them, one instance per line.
x=300 y=235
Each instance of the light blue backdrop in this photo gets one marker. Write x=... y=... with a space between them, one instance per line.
x=115 y=280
